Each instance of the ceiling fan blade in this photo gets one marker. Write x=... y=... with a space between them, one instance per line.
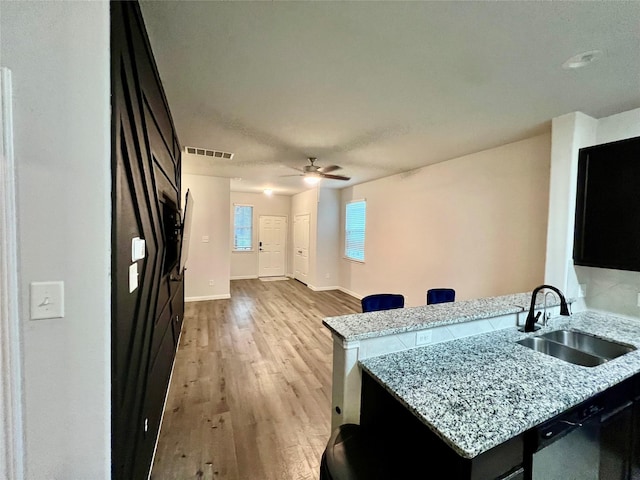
x=335 y=177
x=294 y=175
x=329 y=168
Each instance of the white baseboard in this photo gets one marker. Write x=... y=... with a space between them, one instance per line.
x=336 y=287
x=244 y=277
x=349 y=292
x=323 y=289
x=222 y=296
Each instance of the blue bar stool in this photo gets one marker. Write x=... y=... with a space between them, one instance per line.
x=382 y=301
x=440 y=295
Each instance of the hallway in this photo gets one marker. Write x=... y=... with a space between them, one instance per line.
x=251 y=388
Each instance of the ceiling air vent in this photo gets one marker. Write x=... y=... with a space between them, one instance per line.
x=203 y=152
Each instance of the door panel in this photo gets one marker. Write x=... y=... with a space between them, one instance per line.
x=301 y=248
x=273 y=239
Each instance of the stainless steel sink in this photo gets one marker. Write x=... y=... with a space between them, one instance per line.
x=578 y=348
x=588 y=343
x=562 y=352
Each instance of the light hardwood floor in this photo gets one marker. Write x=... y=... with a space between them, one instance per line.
x=250 y=395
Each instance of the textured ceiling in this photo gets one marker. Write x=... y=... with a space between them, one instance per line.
x=381 y=87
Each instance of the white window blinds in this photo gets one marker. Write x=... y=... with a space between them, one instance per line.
x=242 y=227
x=355 y=222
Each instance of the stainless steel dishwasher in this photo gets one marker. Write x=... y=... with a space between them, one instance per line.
x=589 y=442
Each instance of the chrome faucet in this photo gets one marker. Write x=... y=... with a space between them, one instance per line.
x=529 y=325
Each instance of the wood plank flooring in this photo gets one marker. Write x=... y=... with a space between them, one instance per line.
x=250 y=396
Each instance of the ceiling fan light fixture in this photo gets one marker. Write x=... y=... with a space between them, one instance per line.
x=312 y=179
x=313 y=173
x=268 y=192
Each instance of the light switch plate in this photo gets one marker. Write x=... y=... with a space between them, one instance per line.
x=47 y=300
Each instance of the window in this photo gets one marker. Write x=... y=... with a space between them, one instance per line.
x=354 y=230
x=242 y=227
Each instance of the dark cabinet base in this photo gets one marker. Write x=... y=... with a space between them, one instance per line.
x=610 y=440
x=416 y=452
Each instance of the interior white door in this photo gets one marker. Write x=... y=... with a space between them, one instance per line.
x=301 y=246
x=272 y=246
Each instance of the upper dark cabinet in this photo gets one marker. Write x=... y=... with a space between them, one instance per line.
x=607 y=227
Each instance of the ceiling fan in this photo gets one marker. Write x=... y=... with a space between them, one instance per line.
x=313 y=173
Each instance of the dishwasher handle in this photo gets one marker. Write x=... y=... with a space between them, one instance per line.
x=558 y=427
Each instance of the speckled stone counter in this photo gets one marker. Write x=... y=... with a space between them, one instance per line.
x=477 y=392
x=388 y=322
x=364 y=335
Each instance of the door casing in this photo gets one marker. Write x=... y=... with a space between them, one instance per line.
x=11 y=402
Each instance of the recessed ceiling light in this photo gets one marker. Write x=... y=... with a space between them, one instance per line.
x=582 y=59
x=268 y=192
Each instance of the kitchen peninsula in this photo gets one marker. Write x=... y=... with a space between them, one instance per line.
x=477 y=403
x=360 y=336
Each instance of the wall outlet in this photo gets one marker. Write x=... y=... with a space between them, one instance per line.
x=205 y=239
x=424 y=337
x=212 y=283
x=327 y=275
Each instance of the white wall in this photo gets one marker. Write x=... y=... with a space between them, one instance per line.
x=59 y=56
x=327 y=240
x=476 y=224
x=618 y=127
x=569 y=133
x=609 y=290
x=208 y=261
x=245 y=264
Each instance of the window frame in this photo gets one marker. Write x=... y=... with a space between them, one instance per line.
x=346 y=255
x=251 y=229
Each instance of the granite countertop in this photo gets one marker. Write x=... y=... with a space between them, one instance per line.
x=477 y=392
x=389 y=322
